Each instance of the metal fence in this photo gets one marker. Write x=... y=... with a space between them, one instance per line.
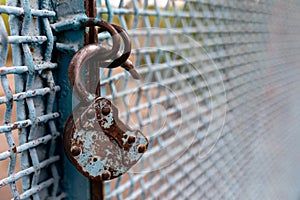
x=30 y=137
x=218 y=98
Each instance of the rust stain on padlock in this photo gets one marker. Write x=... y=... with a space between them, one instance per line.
x=96 y=141
x=100 y=145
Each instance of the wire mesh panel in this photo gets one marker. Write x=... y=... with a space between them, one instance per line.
x=28 y=132
x=217 y=99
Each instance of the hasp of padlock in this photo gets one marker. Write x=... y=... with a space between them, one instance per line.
x=99 y=144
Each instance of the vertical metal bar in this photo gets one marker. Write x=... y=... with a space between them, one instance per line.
x=97 y=187
x=97 y=190
x=75 y=184
x=90 y=10
x=92 y=73
x=19 y=87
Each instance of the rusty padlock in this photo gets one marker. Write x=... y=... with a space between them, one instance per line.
x=95 y=140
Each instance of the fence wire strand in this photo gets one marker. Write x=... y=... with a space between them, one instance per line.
x=32 y=42
x=244 y=71
x=218 y=98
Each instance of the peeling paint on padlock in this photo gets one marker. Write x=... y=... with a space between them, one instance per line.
x=95 y=140
x=101 y=146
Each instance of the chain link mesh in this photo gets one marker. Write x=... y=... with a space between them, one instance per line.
x=218 y=98
x=31 y=135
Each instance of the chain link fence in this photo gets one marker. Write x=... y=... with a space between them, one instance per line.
x=218 y=98
x=28 y=132
x=218 y=101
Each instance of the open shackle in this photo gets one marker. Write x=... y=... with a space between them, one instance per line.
x=96 y=141
x=105 y=55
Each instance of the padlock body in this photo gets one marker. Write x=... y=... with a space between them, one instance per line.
x=98 y=143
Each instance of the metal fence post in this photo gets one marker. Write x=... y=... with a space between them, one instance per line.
x=68 y=42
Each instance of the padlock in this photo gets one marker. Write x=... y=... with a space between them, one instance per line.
x=95 y=140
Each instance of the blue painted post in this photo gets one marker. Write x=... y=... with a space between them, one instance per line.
x=68 y=42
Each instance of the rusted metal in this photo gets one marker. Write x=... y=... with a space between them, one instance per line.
x=97 y=190
x=101 y=147
x=90 y=8
x=97 y=187
x=96 y=141
x=76 y=65
x=121 y=58
x=100 y=55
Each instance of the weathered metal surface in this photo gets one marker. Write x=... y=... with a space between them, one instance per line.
x=28 y=125
x=255 y=45
x=96 y=141
x=99 y=144
x=68 y=42
x=101 y=55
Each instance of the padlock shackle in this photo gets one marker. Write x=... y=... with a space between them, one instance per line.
x=105 y=26
x=120 y=58
x=76 y=64
x=103 y=52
